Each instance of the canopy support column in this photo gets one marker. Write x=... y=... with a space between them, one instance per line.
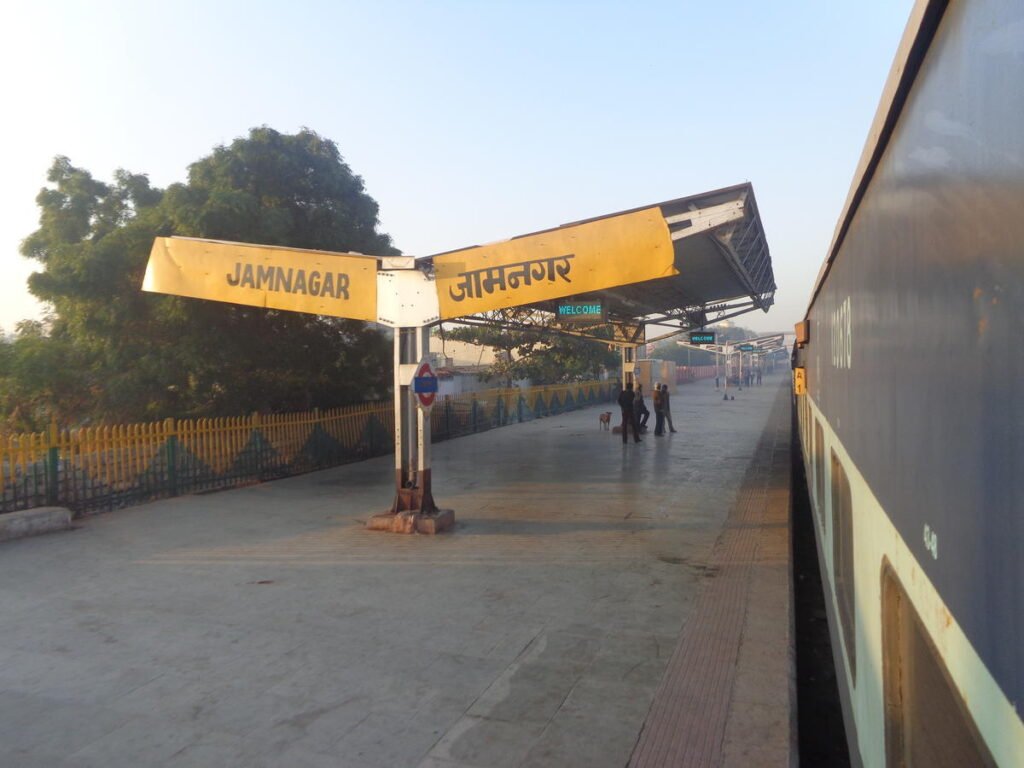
x=629 y=338
x=728 y=370
x=413 y=509
x=628 y=365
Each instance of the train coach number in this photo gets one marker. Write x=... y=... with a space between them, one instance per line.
x=842 y=336
x=931 y=541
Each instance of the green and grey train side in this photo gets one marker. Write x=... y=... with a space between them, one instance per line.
x=912 y=425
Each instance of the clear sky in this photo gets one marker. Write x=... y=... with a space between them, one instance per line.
x=469 y=121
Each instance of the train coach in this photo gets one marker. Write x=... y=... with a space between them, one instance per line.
x=907 y=381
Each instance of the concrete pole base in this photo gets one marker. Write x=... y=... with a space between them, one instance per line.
x=413 y=522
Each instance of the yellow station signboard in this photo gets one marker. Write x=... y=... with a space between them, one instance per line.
x=320 y=282
x=568 y=261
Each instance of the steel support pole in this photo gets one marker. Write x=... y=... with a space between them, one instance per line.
x=399 y=411
x=423 y=480
x=412 y=427
x=413 y=510
x=728 y=355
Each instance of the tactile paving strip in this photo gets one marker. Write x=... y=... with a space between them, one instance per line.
x=686 y=725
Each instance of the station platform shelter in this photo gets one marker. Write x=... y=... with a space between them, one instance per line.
x=596 y=604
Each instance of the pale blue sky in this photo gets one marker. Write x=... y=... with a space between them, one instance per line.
x=469 y=121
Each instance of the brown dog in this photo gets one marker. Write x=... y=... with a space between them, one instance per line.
x=604 y=421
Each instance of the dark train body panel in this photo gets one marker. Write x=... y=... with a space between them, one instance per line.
x=914 y=359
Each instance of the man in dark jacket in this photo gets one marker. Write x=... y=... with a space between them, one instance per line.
x=626 y=397
x=666 y=409
x=640 y=409
x=659 y=411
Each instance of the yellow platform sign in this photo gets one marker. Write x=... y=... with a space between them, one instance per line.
x=606 y=253
x=799 y=381
x=319 y=282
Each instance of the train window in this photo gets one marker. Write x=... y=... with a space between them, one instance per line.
x=819 y=472
x=842 y=560
x=926 y=721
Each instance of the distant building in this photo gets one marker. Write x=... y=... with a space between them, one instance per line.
x=461 y=353
x=463 y=367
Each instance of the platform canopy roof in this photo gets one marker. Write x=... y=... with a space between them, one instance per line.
x=685 y=263
x=719 y=267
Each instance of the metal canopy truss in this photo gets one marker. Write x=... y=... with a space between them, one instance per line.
x=620 y=332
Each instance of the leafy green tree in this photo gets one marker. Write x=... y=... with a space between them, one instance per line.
x=38 y=380
x=139 y=356
x=543 y=356
x=669 y=350
x=733 y=333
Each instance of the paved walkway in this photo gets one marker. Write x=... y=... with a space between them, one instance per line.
x=266 y=627
x=728 y=696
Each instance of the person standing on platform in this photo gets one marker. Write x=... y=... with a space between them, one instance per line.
x=640 y=409
x=759 y=377
x=659 y=413
x=626 y=398
x=666 y=409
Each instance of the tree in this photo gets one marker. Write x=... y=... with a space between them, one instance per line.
x=542 y=355
x=144 y=356
x=670 y=350
x=38 y=379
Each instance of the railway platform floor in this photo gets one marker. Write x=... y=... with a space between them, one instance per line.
x=595 y=605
